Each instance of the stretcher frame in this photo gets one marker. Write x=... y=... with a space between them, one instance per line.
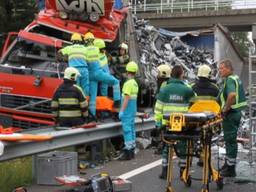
x=203 y=132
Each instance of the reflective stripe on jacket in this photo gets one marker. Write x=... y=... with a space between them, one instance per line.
x=240 y=95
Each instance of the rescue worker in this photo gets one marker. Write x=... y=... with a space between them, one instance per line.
x=103 y=63
x=205 y=89
x=174 y=97
x=77 y=59
x=119 y=61
x=98 y=75
x=69 y=104
x=128 y=111
x=233 y=101
x=164 y=74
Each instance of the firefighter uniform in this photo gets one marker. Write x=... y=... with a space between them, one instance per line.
x=174 y=97
x=119 y=62
x=77 y=59
x=204 y=88
x=127 y=114
x=232 y=118
x=69 y=104
x=98 y=75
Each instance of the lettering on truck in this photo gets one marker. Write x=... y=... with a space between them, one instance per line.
x=79 y=6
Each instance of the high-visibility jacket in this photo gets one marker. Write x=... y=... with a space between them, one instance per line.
x=174 y=97
x=233 y=84
x=205 y=89
x=76 y=55
x=103 y=59
x=69 y=102
x=92 y=57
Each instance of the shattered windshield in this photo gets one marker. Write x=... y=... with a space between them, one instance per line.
x=27 y=57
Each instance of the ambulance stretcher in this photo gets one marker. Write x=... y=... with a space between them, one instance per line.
x=193 y=127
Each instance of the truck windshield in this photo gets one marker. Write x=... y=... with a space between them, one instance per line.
x=27 y=57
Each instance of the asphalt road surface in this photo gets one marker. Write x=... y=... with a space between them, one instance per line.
x=143 y=172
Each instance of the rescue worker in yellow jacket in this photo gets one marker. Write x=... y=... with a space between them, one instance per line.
x=174 y=97
x=97 y=74
x=233 y=101
x=77 y=59
x=69 y=104
x=128 y=111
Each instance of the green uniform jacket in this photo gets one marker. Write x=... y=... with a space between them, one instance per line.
x=174 y=97
x=233 y=84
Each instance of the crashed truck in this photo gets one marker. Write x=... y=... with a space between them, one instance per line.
x=29 y=70
x=30 y=73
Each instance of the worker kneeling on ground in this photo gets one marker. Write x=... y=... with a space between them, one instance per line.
x=69 y=104
x=97 y=74
x=175 y=97
x=128 y=111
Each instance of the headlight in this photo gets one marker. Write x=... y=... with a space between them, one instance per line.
x=94 y=17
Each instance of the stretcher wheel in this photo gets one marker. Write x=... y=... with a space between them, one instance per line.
x=220 y=184
x=188 y=182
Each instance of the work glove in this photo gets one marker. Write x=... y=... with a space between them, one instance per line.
x=158 y=124
x=120 y=115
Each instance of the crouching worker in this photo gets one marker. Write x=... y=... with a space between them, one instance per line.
x=69 y=104
x=128 y=111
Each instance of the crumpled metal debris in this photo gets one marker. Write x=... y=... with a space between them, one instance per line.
x=157 y=47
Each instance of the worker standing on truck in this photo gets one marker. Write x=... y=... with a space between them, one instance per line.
x=233 y=101
x=119 y=61
x=128 y=111
x=173 y=98
x=205 y=89
x=69 y=104
x=97 y=74
x=77 y=59
x=103 y=63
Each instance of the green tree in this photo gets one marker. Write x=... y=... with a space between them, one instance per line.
x=242 y=42
x=15 y=15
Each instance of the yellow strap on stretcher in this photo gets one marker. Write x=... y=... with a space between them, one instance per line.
x=177 y=121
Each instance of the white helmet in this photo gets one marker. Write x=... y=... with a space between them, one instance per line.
x=123 y=46
x=71 y=73
x=204 y=71
x=164 y=71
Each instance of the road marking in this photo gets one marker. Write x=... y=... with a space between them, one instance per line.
x=141 y=169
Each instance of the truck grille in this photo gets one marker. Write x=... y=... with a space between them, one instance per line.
x=26 y=124
x=25 y=103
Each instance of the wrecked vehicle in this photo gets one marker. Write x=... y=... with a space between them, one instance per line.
x=29 y=70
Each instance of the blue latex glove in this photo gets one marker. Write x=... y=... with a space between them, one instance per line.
x=120 y=115
x=158 y=124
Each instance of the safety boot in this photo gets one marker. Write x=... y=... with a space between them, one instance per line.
x=163 y=174
x=126 y=155
x=228 y=171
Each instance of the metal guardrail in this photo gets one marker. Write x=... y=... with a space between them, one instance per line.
x=191 y=5
x=65 y=138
